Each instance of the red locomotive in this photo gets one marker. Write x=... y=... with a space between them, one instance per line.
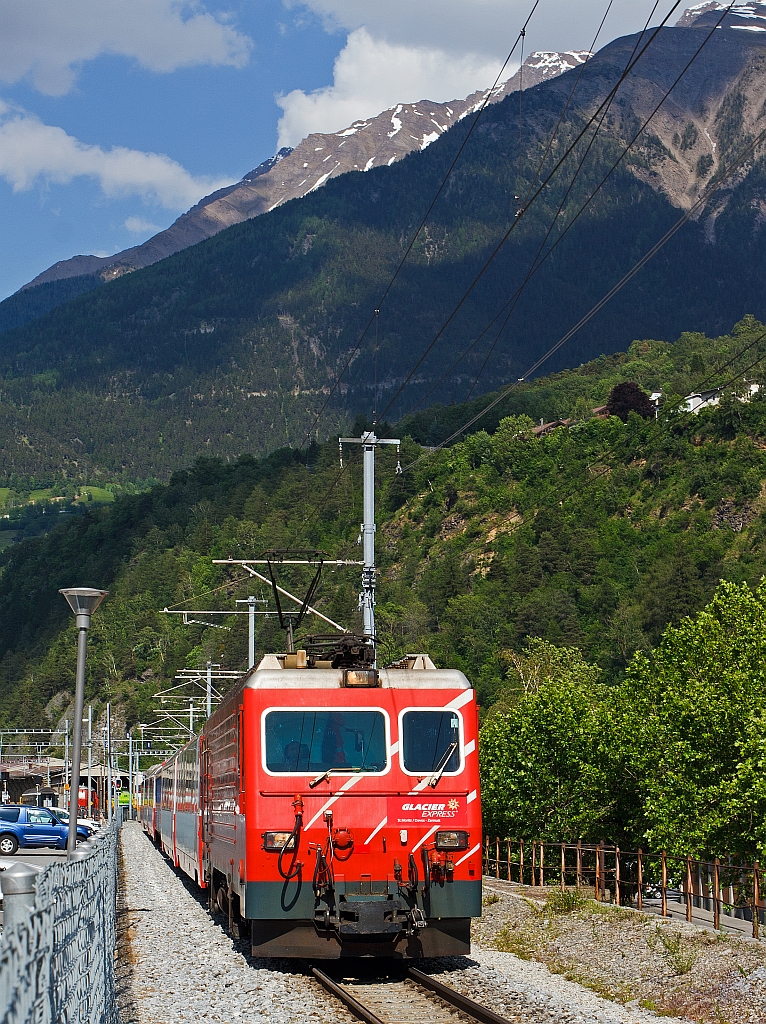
x=331 y=807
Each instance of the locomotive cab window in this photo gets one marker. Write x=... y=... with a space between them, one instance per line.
x=430 y=742
x=303 y=741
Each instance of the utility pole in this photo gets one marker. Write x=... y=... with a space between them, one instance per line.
x=251 y=602
x=83 y=601
x=109 y=761
x=90 y=756
x=209 y=690
x=367 y=598
x=68 y=788
x=130 y=774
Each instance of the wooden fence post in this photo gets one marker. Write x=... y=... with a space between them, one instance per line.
x=508 y=852
x=534 y=863
x=579 y=863
x=563 y=867
x=688 y=887
x=617 y=875
x=597 y=884
x=716 y=894
x=664 y=884
x=542 y=864
x=602 y=872
x=497 y=856
x=486 y=856
x=756 y=901
x=521 y=862
x=640 y=880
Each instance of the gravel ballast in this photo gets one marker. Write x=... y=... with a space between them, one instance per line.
x=175 y=963
x=634 y=959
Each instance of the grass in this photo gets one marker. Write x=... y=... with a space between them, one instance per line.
x=678 y=955
x=5 y=493
x=564 y=902
x=490 y=899
x=98 y=494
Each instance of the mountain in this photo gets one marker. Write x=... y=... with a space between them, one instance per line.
x=235 y=344
x=748 y=17
x=292 y=173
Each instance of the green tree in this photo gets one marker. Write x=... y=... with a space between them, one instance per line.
x=542 y=753
x=694 y=713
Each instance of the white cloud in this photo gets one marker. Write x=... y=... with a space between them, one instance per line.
x=32 y=152
x=140 y=226
x=48 y=40
x=486 y=27
x=406 y=50
x=371 y=75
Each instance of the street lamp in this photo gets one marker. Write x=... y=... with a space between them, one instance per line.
x=83 y=601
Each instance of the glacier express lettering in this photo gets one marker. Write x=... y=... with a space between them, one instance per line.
x=423 y=807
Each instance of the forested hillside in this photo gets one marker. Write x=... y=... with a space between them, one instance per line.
x=548 y=568
x=232 y=345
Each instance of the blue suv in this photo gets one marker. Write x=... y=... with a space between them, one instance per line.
x=29 y=827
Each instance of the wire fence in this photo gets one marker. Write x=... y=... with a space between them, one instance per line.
x=708 y=890
x=57 y=964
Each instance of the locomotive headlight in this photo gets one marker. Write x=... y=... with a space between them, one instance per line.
x=451 y=840
x=275 y=841
x=358 y=677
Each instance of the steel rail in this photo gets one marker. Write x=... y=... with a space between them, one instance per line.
x=357 y=1008
x=456 y=999
x=448 y=995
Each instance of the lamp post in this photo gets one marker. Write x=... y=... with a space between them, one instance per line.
x=83 y=601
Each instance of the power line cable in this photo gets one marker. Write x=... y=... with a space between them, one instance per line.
x=534 y=197
x=714 y=185
x=554 y=220
x=490 y=93
x=663 y=425
x=535 y=265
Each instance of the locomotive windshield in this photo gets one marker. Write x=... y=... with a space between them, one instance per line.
x=313 y=741
x=431 y=741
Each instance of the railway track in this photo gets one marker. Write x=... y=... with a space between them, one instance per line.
x=411 y=998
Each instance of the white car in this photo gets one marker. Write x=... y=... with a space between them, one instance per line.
x=63 y=816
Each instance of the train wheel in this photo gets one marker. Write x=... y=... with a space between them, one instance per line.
x=222 y=901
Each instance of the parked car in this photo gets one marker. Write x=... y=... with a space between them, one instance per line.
x=63 y=816
x=30 y=827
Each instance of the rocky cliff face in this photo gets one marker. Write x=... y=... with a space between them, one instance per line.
x=374 y=142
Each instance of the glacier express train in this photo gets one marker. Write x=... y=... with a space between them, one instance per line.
x=330 y=808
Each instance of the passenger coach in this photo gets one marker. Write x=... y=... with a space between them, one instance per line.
x=333 y=808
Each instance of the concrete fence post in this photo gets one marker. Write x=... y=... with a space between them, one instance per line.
x=18 y=885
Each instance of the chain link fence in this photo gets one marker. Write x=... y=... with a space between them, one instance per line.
x=57 y=962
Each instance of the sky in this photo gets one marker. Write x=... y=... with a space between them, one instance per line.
x=116 y=116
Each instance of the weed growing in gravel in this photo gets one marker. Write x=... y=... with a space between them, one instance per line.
x=679 y=957
x=650 y=1004
x=490 y=899
x=516 y=939
x=563 y=902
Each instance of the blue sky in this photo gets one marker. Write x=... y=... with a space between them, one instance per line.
x=117 y=115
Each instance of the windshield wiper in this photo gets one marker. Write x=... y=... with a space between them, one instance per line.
x=324 y=777
x=442 y=765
